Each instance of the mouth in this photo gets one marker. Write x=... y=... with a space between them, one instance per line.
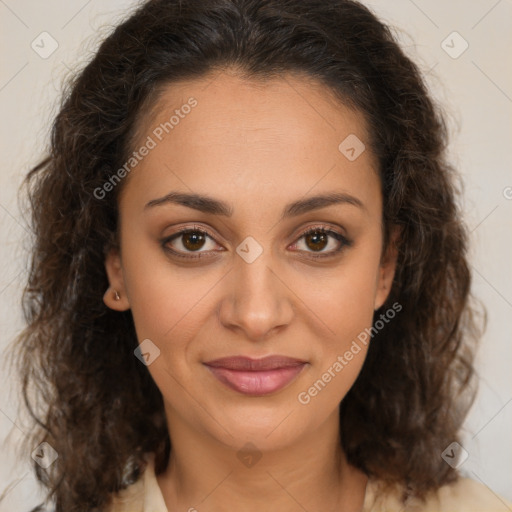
x=256 y=377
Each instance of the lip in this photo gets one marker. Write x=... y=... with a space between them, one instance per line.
x=256 y=377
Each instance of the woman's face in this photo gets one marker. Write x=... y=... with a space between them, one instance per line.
x=251 y=166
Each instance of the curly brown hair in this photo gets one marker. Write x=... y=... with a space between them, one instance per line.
x=89 y=397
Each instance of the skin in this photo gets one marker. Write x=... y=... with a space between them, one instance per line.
x=258 y=147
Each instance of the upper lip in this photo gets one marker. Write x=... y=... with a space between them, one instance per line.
x=244 y=363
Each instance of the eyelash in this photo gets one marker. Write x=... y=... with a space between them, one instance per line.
x=345 y=242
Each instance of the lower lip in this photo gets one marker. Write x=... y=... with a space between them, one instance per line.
x=256 y=382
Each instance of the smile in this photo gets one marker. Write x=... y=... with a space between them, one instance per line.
x=256 y=377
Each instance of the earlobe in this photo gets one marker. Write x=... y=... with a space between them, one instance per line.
x=387 y=269
x=383 y=291
x=115 y=296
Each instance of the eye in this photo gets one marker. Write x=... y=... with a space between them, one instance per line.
x=317 y=239
x=186 y=241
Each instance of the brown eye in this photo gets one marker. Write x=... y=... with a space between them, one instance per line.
x=317 y=240
x=187 y=241
x=193 y=240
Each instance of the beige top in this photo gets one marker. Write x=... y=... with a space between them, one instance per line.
x=466 y=495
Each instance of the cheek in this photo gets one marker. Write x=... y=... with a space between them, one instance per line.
x=159 y=297
x=344 y=299
x=346 y=306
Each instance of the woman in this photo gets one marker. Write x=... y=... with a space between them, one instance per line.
x=249 y=287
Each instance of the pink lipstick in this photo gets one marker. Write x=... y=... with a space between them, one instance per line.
x=256 y=376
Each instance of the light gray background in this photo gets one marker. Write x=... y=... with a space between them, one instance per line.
x=475 y=88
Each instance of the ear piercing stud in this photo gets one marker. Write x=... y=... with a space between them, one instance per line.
x=116 y=295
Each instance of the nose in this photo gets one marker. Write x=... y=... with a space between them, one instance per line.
x=258 y=301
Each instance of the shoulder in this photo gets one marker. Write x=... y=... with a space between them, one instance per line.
x=130 y=499
x=464 y=495
x=142 y=496
x=469 y=495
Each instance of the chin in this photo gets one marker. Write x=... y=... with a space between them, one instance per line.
x=265 y=426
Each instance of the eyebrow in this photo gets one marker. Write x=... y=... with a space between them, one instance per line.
x=213 y=206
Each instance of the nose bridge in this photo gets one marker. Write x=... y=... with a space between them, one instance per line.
x=256 y=280
x=259 y=301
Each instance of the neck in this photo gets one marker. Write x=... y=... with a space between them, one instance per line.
x=310 y=474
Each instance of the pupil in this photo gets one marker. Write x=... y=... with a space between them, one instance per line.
x=317 y=238
x=197 y=240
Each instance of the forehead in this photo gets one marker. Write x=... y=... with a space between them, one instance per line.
x=290 y=108
x=245 y=135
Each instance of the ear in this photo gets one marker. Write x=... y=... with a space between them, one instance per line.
x=115 y=297
x=387 y=268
